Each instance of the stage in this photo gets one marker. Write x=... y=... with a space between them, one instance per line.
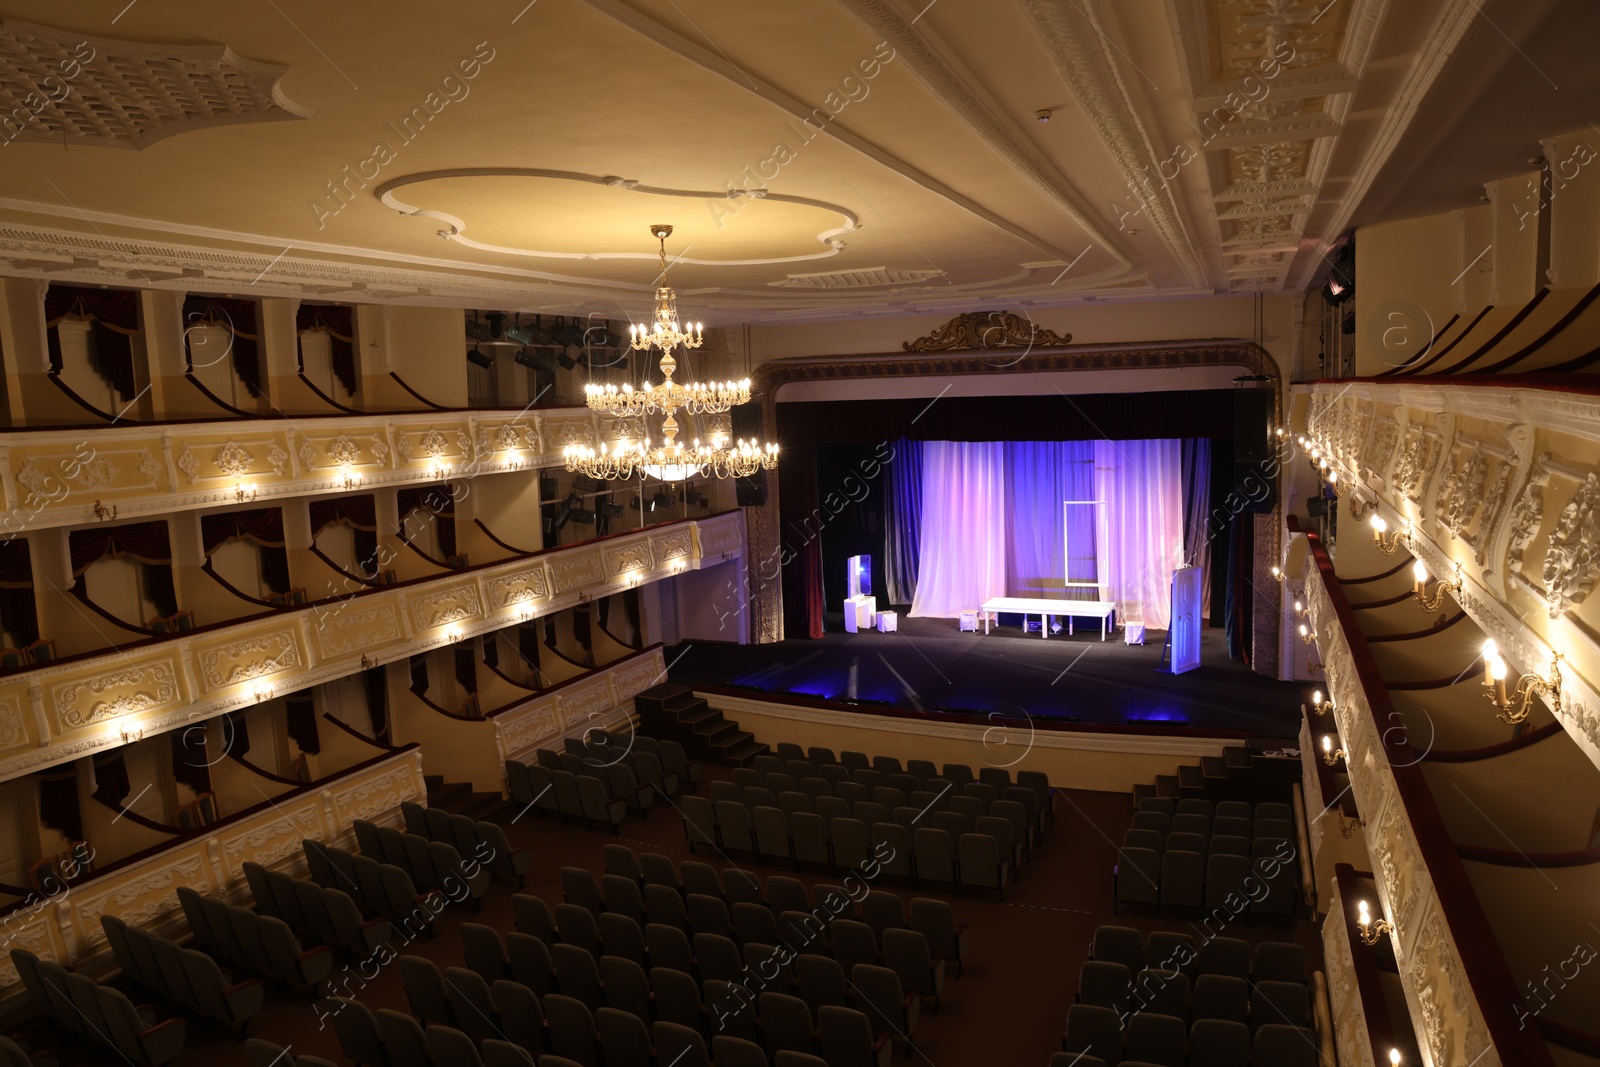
x=929 y=664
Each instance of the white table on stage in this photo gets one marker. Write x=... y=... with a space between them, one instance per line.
x=1104 y=610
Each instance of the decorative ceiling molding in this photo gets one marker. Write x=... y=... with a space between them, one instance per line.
x=1420 y=74
x=916 y=47
x=62 y=87
x=715 y=63
x=456 y=228
x=860 y=278
x=980 y=331
x=1076 y=45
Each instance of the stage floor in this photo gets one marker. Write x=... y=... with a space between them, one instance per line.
x=929 y=664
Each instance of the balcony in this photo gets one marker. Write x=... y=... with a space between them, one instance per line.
x=63 y=711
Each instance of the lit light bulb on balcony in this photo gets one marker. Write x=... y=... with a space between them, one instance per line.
x=1419 y=576
x=1491 y=652
x=1394 y=1057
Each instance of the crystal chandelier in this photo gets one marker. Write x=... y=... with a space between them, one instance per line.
x=671 y=460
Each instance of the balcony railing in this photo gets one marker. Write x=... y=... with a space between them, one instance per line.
x=75 y=476
x=64 y=711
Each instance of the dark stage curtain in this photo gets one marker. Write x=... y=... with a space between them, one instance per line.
x=800 y=550
x=146 y=542
x=902 y=507
x=111 y=779
x=1117 y=416
x=58 y=802
x=114 y=322
x=438 y=506
x=851 y=483
x=1241 y=557
x=467 y=666
x=1219 y=533
x=17 y=612
x=301 y=716
x=264 y=526
x=336 y=320
x=238 y=317
x=375 y=681
x=1196 y=505
x=190 y=763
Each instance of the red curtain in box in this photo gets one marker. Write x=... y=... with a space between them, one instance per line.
x=17 y=612
x=335 y=320
x=146 y=542
x=238 y=317
x=264 y=526
x=113 y=315
x=439 y=505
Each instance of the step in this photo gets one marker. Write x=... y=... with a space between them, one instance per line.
x=1142 y=792
x=442 y=794
x=477 y=805
x=1191 y=779
x=682 y=700
x=1167 y=786
x=664 y=690
x=1238 y=756
x=494 y=809
x=692 y=715
x=745 y=750
x=1214 y=768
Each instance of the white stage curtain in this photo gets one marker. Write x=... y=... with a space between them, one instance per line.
x=1142 y=485
x=962 y=558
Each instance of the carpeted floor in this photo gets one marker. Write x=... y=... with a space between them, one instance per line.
x=929 y=664
x=1008 y=1009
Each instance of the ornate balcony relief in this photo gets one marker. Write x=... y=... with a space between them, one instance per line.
x=73 y=708
x=1349 y=1019
x=143 y=893
x=56 y=477
x=604 y=699
x=1443 y=1007
x=1505 y=483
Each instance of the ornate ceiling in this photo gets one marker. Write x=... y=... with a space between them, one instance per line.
x=818 y=159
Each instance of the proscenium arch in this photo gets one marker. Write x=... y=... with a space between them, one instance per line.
x=762 y=569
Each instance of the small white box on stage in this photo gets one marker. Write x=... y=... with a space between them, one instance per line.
x=860 y=612
x=969 y=621
x=1133 y=633
x=888 y=621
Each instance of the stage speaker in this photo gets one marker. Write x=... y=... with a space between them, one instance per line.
x=1251 y=410
x=1257 y=485
x=751 y=492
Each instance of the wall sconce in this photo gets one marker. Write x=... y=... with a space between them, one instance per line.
x=1319 y=705
x=453 y=633
x=243 y=493
x=366 y=662
x=441 y=471
x=1394 y=1057
x=262 y=691
x=1348 y=824
x=1330 y=755
x=1333 y=482
x=1419 y=586
x=1515 y=707
x=1360 y=509
x=1307 y=634
x=1277 y=573
x=103 y=513
x=349 y=478
x=1299 y=607
x=1371 y=931
x=130 y=736
x=1388 y=545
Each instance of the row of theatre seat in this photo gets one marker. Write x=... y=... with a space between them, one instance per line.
x=482 y=840
x=185 y=978
x=1239 y=1006
x=890 y=844
x=434 y=865
x=1233 y=859
x=526 y=1023
x=328 y=914
x=631 y=775
x=253 y=941
x=98 y=1012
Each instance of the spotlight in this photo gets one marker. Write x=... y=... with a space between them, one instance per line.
x=693 y=498
x=535 y=360
x=634 y=503
x=610 y=510
x=664 y=500
x=479 y=358
x=497 y=322
x=585 y=484
x=583 y=515
x=566 y=361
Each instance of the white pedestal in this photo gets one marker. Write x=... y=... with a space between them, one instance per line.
x=968 y=621
x=860 y=613
x=888 y=622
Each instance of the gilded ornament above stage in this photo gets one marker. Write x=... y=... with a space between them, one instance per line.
x=983 y=330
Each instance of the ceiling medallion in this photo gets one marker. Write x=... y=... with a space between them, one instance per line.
x=669 y=461
x=983 y=330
